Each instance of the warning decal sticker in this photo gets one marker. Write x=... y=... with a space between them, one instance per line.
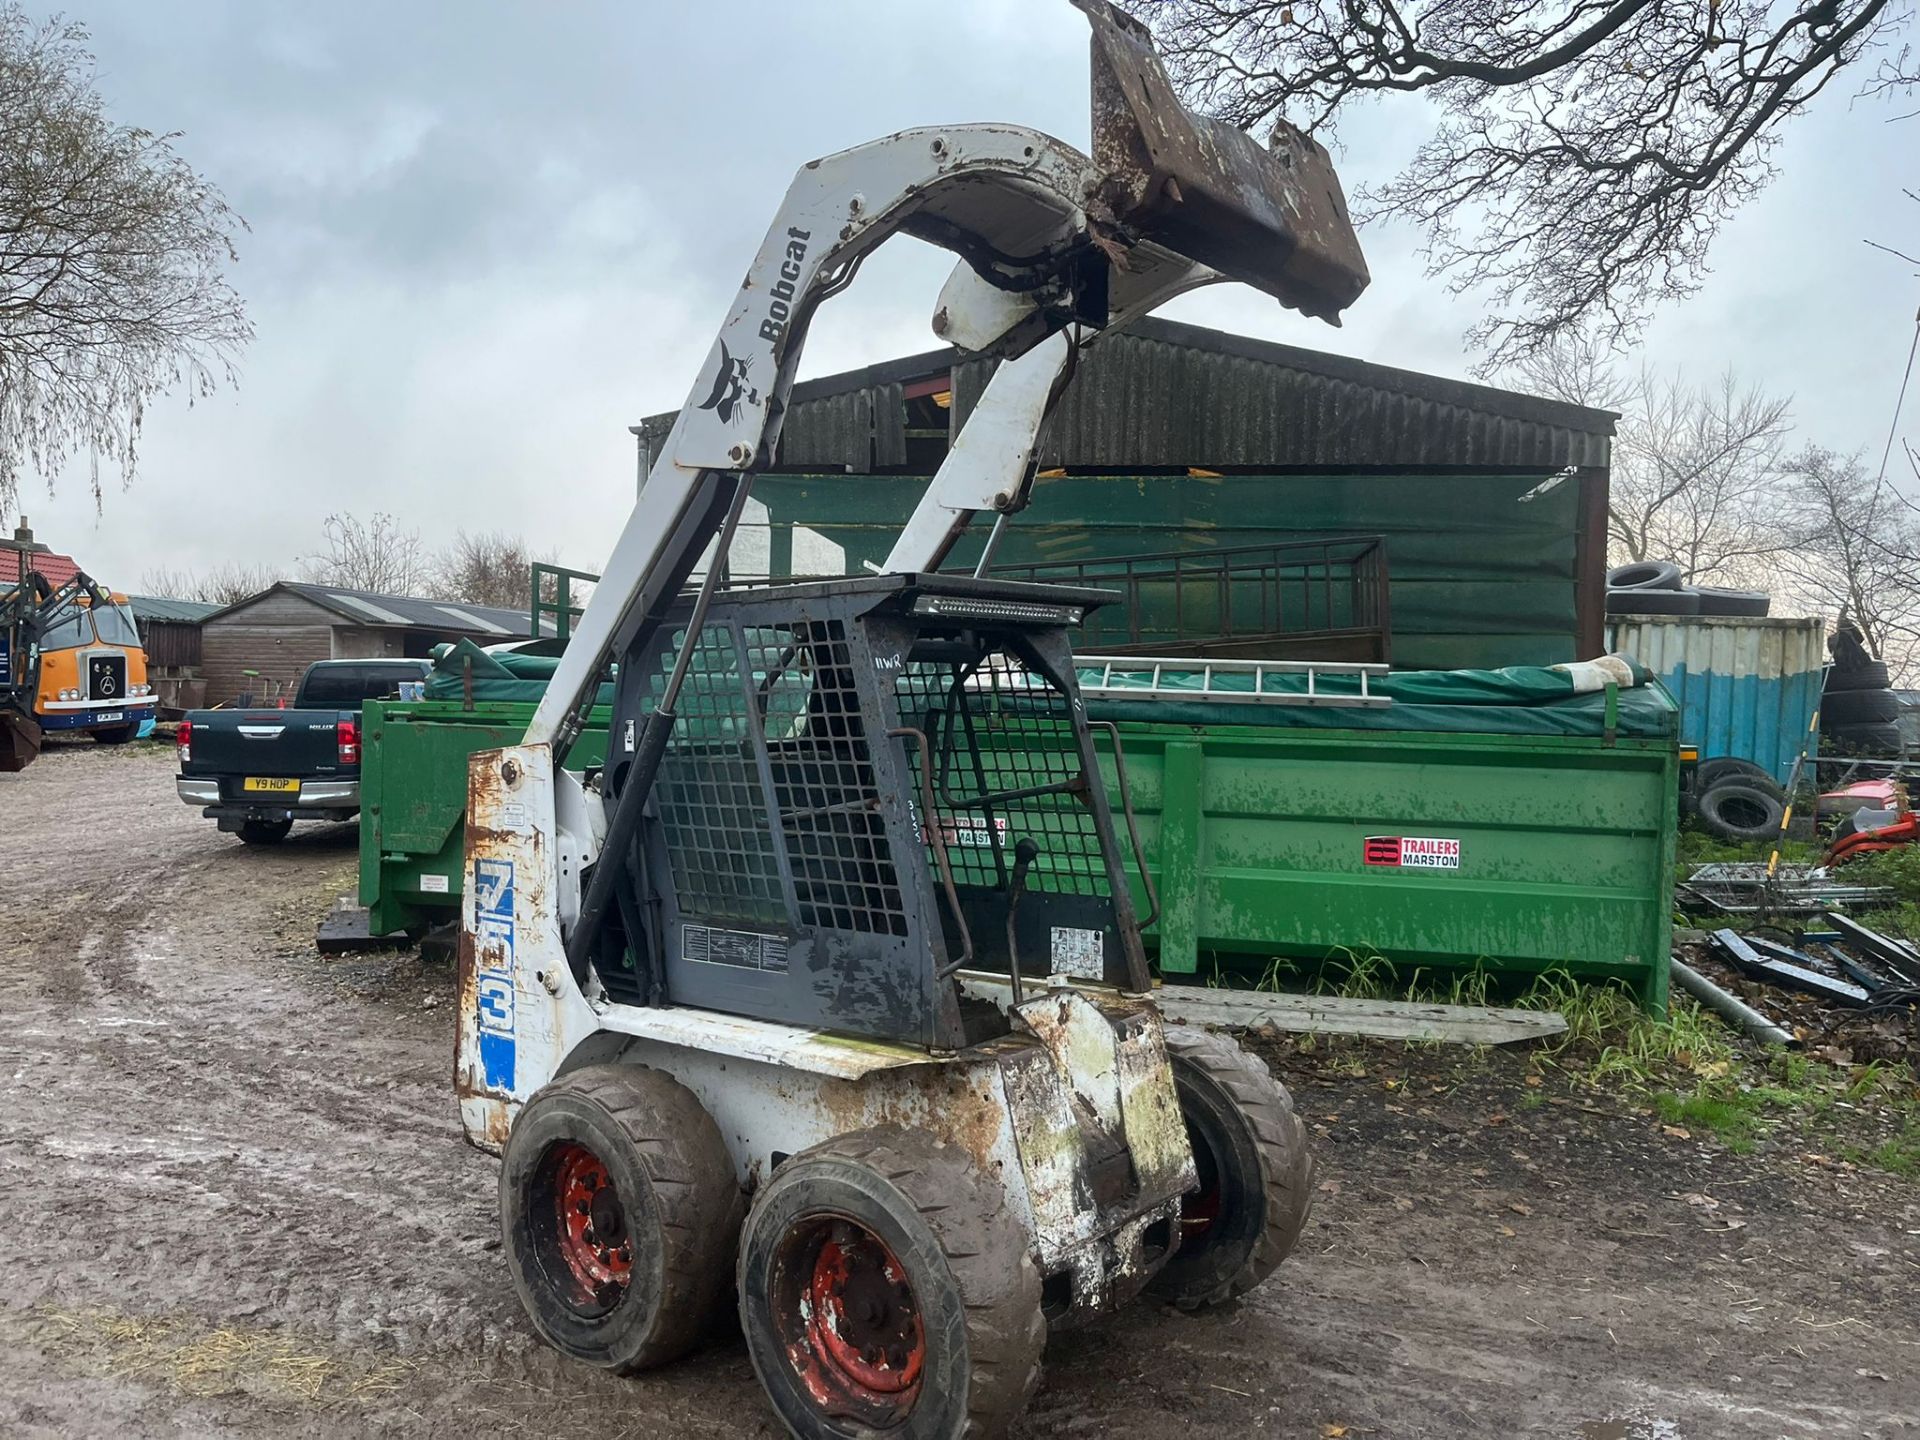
x=1412 y=852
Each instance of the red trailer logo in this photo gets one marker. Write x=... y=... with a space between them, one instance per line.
x=1412 y=852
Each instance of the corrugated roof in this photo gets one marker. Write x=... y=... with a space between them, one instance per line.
x=1167 y=394
x=366 y=607
x=170 y=611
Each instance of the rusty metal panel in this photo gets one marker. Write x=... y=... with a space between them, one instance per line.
x=1274 y=217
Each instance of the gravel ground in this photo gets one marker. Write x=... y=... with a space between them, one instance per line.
x=236 y=1201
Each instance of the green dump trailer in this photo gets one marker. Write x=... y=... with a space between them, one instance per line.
x=413 y=799
x=1483 y=819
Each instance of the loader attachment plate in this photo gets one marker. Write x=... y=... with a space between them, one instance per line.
x=19 y=739
x=1274 y=217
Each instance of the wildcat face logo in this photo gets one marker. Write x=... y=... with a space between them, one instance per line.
x=730 y=386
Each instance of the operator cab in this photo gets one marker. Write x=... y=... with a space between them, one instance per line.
x=871 y=785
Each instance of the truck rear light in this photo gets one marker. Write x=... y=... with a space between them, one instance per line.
x=183 y=737
x=349 y=737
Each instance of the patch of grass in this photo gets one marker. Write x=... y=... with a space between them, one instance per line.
x=1732 y=1116
x=1900 y=1155
x=1610 y=1038
x=1693 y=846
x=189 y=1360
x=1898 y=870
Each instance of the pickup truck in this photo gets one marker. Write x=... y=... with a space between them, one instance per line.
x=257 y=771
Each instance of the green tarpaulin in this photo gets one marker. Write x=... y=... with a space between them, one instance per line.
x=1515 y=700
x=497 y=676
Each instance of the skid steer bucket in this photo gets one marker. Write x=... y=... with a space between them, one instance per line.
x=1272 y=217
x=19 y=738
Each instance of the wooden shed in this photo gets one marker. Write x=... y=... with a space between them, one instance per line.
x=170 y=634
x=262 y=645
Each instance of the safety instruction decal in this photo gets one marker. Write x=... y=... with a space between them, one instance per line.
x=493 y=961
x=742 y=949
x=1412 y=852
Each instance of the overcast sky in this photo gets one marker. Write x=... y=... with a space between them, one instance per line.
x=487 y=238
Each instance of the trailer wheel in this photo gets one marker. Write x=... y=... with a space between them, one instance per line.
x=264 y=832
x=884 y=1286
x=1256 y=1175
x=619 y=1210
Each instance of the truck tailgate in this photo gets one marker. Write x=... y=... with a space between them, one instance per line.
x=270 y=744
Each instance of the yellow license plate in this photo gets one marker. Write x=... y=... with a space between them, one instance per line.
x=277 y=787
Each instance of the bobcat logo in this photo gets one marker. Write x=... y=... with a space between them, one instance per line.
x=730 y=386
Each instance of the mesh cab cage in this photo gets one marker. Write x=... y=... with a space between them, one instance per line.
x=870 y=784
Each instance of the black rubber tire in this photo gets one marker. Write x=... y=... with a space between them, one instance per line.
x=1252 y=1148
x=1870 y=676
x=264 y=832
x=1753 y=604
x=1653 y=602
x=973 y=1281
x=1878 y=742
x=1858 y=707
x=1709 y=773
x=1644 y=575
x=1735 y=810
x=119 y=735
x=680 y=1207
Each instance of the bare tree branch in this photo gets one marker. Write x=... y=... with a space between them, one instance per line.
x=113 y=257
x=1697 y=473
x=374 y=555
x=491 y=568
x=226 y=584
x=1585 y=152
x=1856 y=551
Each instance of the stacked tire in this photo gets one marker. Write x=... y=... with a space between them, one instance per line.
x=1859 y=713
x=1656 y=587
x=1737 y=800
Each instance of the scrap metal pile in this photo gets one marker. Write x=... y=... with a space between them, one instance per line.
x=1752 y=887
x=1835 y=981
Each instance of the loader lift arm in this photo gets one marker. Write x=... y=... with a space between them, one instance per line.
x=1054 y=247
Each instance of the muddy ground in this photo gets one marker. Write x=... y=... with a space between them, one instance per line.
x=234 y=1199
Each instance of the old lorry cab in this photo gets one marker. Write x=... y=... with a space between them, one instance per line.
x=93 y=673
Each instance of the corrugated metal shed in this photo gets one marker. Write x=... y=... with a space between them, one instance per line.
x=485 y=623
x=1167 y=394
x=1747 y=688
x=170 y=611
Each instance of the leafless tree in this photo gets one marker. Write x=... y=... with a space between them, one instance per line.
x=1855 y=552
x=226 y=584
x=113 y=254
x=490 y=568
x=1583 y=153
x=1697 y=476
x=373 y=554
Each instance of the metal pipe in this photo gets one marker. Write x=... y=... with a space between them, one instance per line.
x=624 y=823
x=993 y=543
x=1730 y=1008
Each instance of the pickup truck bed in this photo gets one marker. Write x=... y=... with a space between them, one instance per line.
x=256 y=771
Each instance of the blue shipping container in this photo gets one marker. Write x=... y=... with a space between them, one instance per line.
x=1747 y=688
